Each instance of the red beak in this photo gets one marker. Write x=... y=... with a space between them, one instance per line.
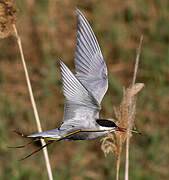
x=121 y=129
x=124 y=130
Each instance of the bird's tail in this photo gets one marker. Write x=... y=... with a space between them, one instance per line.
x=53 y=133
x=24 y=136
x=48 y=135
x=51 y=136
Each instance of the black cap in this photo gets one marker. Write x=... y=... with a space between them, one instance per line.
x=106 y=123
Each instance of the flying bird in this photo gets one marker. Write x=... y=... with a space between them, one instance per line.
x=83 y=91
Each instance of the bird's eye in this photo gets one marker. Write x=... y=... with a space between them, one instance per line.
x=106 y=123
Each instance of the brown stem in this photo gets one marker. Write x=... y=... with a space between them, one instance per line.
x=118 y=166
x=128 y=133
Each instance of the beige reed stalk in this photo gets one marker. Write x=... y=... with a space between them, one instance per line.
x=45 y=152
x=128 y=133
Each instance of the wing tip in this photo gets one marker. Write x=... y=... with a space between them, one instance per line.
x=61 y=63
x=78 y=12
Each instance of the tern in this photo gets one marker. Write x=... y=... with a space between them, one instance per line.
x=83 y=91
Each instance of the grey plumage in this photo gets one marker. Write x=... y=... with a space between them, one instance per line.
x=90 y=66
x=83 y=91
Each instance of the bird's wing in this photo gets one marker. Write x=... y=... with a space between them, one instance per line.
x=90 y=66
x=80 y=107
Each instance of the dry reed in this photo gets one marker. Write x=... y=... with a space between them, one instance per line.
x=7 y=27
x=125 y=115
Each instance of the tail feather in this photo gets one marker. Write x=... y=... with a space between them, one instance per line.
x=53 y=133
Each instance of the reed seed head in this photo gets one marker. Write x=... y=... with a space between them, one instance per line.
x=7 y=17
x=125 y=115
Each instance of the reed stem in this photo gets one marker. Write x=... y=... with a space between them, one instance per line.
x=128 y=133
x=118 y=167
x=45 y=152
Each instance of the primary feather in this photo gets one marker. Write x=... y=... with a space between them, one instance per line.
x=90 y=66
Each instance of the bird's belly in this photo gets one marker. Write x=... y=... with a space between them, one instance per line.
x=86 y=135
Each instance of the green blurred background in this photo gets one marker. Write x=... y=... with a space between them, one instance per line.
x=48 y=31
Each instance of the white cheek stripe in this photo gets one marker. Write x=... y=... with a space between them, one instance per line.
x=106 y=128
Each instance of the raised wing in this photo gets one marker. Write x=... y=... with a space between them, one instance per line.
x=90 y=67
x=80 y=107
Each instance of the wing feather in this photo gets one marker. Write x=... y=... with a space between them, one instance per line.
x=91 y=69
x=81 y=107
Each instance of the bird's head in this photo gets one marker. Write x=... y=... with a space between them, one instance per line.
x=111 y=126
